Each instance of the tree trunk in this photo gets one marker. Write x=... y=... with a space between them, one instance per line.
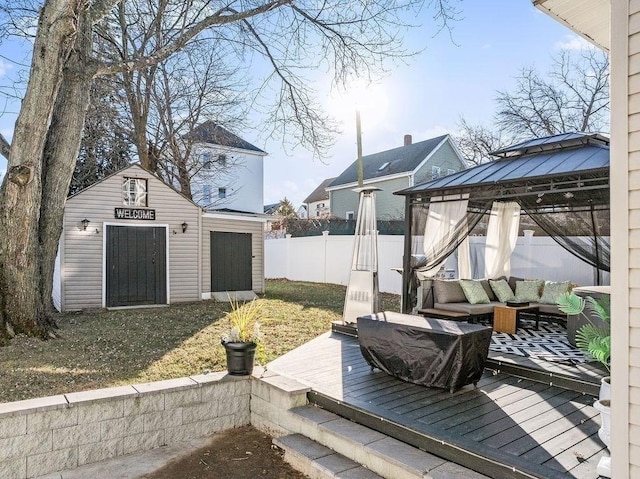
x=20 y=194
x=60 y=155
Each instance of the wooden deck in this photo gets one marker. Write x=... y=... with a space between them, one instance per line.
x=507 y=427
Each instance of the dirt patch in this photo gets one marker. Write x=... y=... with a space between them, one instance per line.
x=242 y=453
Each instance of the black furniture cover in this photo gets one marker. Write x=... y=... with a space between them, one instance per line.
x=431 y=352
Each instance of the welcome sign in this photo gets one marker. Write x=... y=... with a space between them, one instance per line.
x=135 y=214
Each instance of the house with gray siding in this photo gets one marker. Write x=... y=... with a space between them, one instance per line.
x=131 y=240
x=394 y=170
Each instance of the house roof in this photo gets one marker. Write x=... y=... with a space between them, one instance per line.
x=320 y=193
x=588 y=18
x=209 y=132
x=271 y=209
x=403 y=159
x=560 y=170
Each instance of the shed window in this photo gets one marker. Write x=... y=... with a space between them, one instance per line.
x=134 y=192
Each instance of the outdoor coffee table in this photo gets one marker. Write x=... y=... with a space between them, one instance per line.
x=431 y=352
x=506 y=318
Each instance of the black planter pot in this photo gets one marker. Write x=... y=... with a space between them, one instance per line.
x=240 y=358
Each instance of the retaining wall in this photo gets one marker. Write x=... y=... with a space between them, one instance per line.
x=45 y=435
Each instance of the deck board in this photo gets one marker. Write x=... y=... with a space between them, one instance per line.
x=531 y=425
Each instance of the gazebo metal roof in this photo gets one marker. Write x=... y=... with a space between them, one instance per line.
x=568 y=170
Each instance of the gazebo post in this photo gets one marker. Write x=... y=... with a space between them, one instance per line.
x=406 y=259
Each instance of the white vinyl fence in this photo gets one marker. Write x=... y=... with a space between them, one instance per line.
x=327 y=259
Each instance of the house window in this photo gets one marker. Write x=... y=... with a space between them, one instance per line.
x=222 y=193
x=206 y=194
x=351 y=215
x=450 y=171
x=134 y=192
x=317 y=214
x=222 y=160
x=435 y=172
x=206 y=161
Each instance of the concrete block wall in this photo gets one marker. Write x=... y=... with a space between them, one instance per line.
x=45 y=435
x=271 y=398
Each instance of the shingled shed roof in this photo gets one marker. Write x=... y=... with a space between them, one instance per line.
x=397 y=160
x=210 y=132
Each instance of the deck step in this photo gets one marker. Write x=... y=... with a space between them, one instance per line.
x=326 y=434
x=318 y=461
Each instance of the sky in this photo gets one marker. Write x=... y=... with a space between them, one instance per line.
x=455 y=75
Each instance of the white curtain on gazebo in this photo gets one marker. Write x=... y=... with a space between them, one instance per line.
x=502 y=234
x=443 y=227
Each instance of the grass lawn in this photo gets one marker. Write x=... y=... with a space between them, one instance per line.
x=110 y=348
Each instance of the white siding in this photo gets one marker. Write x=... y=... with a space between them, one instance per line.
x=218 y=222
x=56 y=294
x=243 y=180
x=625 y=239
x=82 y=268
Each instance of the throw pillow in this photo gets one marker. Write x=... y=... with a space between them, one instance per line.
x=474 y=292
x=528 y=291
x=552 y=291
x=502 y=289
x=448 y=292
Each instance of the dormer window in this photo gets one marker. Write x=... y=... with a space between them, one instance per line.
x=384 y=165
x=134 y=192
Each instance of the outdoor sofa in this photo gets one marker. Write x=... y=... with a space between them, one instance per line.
x=449 y=295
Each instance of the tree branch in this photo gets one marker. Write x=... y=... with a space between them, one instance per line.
x=5 y=147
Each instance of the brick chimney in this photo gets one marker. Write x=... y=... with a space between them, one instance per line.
x=407 y=140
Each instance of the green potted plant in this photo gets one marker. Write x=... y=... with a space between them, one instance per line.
x=596 y=341
x=592 y=339
x=243 y=337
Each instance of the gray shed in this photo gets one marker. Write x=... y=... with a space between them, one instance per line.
x=132 y=240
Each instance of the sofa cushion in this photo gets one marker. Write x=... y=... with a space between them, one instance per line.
x=502 y=289
x=487 y=289
x=529 y=290
x=552 y=291
x=474 y=292
x=470 y=309
x=447 y=291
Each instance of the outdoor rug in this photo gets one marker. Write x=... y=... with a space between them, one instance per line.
x=549 y=343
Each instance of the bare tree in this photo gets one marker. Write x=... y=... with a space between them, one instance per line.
x=477 y=142
x=190 y=88
x=573 y=97
x=350 y=38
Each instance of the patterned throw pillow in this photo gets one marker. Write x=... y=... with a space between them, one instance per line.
x=528 y=291
x=474 y=292
x=502 y=289
x=552 y=291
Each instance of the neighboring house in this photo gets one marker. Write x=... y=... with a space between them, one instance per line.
x=394 y=170
x=302 y=212
x=132 y=240
x=615 y=26
x=318 y=201
x=231 y=170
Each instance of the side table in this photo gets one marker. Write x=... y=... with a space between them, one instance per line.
x=506 y=318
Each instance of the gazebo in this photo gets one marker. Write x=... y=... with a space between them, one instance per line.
x=561 y=182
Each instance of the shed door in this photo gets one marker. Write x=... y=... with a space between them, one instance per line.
x=136 y=266
x=231 y=261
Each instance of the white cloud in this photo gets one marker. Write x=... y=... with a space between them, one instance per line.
x=4 y=68
x=573 y=42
